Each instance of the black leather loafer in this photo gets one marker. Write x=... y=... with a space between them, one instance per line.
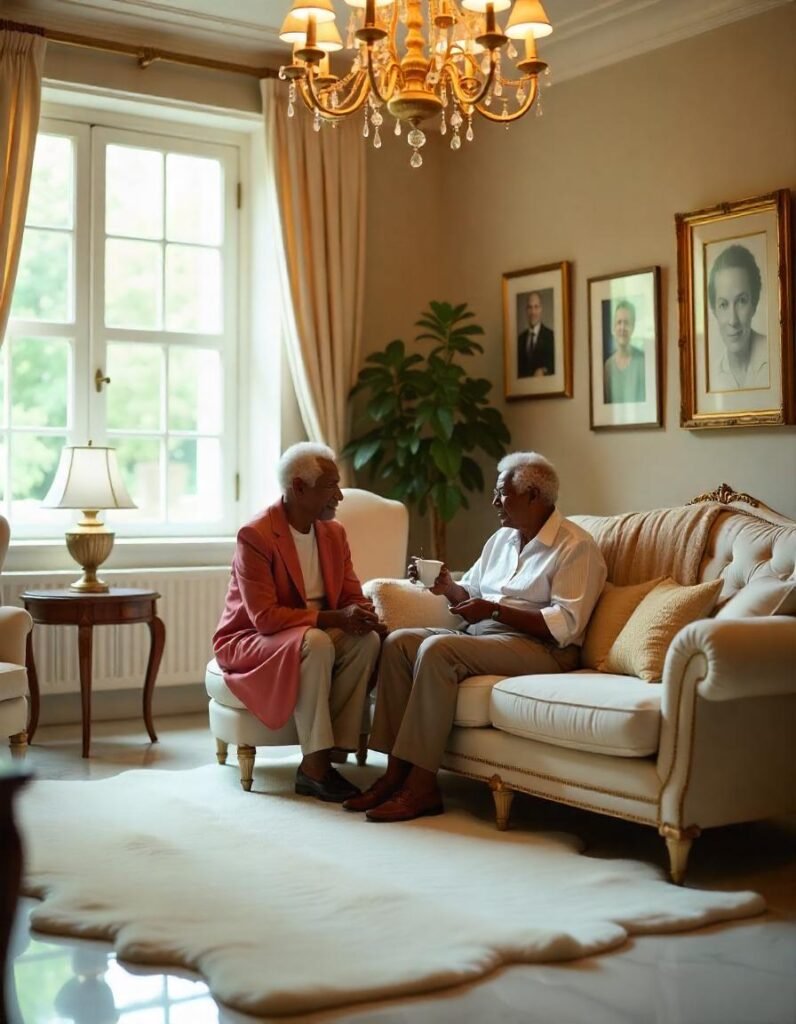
x=333 y=788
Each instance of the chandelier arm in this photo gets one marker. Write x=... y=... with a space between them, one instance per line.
x=392 y=79
x=508 y=118
x=455 y=81
x=313 y=101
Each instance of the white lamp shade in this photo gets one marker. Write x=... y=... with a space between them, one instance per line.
x=528 y=17
x=88 y=477
x=295 y=31
x=479 y=6
x=321 y=10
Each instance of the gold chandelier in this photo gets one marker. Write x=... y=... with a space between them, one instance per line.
x=456 y=72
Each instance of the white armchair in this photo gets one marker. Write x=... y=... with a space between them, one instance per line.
x=15 y=624
x=378 y=530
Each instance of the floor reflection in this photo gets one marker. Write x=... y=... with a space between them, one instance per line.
x=59 y=981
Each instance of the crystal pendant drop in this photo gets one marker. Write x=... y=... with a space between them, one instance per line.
x=376 y=119
x=291 y=110
x=497 y=88
x=456 y=142
x=512 y=50
x=548 y=77
x=397 y=129
x=377 y=139
x=416 y=160
x=316 y=121
x=456 y=119
x=520 y=96
x=470 y=134
x=443 y=124
x=365 y=126
x=488 y=100
x=416 y=138
x=539 y=111
x=291 y=99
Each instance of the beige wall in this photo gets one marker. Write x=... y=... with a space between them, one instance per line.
x=597 y=180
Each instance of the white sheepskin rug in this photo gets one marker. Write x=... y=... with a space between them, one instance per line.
x=286 y=905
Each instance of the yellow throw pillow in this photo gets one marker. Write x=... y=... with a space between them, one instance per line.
x=640 y=649
x=610 y=614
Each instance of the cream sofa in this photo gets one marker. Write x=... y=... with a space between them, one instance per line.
x=15 y=624
x=713 y=743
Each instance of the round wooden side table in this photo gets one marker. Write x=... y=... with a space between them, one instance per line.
x=116 y=607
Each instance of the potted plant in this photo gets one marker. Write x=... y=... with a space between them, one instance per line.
x=424 y=417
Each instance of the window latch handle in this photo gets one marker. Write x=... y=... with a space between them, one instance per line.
x=99 y=380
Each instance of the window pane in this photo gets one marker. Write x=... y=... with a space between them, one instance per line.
x=52 y=184
x=2 y=470
x=3 y=422
x=133 y=284
x=194 y=480
x=194 y=199
x=133 y=192
x=195 y=388
x=134 y=393
x=43 y=290
x=139 y=462
x=193 y=289
x=33 y=464
x=40 y=382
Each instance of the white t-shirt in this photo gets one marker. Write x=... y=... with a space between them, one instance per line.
x=560 y=573
x=307 y=549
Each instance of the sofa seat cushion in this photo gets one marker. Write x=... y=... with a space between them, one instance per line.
x=13 y=681
x=218 y=689
x=585 y=710
x=472 y=703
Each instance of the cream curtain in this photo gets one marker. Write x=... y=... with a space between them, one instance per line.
x=317 y=181
x=21 y=62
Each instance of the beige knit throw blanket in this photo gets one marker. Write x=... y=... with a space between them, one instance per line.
x=639 y=546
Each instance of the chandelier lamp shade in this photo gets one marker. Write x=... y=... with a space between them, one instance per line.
x=416 y=60
x=88 y=478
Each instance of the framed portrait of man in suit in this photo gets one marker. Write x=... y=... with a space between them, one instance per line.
x=537 y=332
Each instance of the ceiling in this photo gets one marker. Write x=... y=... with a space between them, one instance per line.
x=588 y=34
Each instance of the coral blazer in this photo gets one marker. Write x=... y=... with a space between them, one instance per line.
x=258 y=640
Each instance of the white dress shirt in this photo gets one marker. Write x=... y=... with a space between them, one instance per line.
x=307 y=550
x=560 y=573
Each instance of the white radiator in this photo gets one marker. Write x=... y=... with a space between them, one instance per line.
x=190 y=604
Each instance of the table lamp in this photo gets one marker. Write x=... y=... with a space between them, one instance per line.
x=88 y=479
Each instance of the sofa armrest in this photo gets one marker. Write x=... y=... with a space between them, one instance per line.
x=742 y=657
x=402 y=604
x=15 y=624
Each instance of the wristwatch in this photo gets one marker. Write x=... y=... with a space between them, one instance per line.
x=496 y=614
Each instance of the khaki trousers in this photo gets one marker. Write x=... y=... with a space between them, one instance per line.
x=419 y=678
x=335 y=670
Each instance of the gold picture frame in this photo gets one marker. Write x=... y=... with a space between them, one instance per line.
x=625 y=373
x=537 y=332
x=735 y=301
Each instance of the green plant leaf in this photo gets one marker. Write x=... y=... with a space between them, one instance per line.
x=447 y=457
x=364 y=453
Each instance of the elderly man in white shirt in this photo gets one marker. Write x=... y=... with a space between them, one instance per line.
x=526 y=602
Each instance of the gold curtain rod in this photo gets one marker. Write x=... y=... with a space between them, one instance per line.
x=145 y=55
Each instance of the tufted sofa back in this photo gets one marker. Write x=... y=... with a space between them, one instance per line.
x=749 y=544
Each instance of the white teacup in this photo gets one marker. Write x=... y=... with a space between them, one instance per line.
x=427 y=570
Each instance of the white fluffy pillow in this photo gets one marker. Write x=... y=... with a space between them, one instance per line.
x=403 y=605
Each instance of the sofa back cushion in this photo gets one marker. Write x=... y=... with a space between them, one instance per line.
x=749 y=545
x=640 y=649
x=614 y=608
x=766 y=596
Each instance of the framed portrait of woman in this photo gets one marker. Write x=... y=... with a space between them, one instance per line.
x=625 y=350
x=736 y=321
x=537 y=332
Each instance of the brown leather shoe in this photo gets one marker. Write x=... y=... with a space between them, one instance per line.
x=381 y=790
x=405 y=804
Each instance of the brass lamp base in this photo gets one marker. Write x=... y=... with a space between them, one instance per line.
x=89 y=545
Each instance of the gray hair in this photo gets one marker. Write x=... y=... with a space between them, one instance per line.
x=529 y=469
x=303 y=460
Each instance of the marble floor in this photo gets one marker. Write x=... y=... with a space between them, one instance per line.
x=743 y=973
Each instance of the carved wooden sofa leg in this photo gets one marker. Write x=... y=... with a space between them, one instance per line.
x=362 y=749
x=503 y=797
x=221 y=751
x=18 y=744
x=678 y=843
x=246 y=763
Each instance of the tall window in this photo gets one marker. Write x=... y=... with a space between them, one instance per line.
x=123 y=327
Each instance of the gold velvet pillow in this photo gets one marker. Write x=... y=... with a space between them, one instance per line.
x=640 y=649
x=614 y=608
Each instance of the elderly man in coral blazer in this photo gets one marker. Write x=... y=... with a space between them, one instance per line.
x=297 y=636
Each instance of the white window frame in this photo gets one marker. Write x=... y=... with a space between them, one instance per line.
x=37 y=547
